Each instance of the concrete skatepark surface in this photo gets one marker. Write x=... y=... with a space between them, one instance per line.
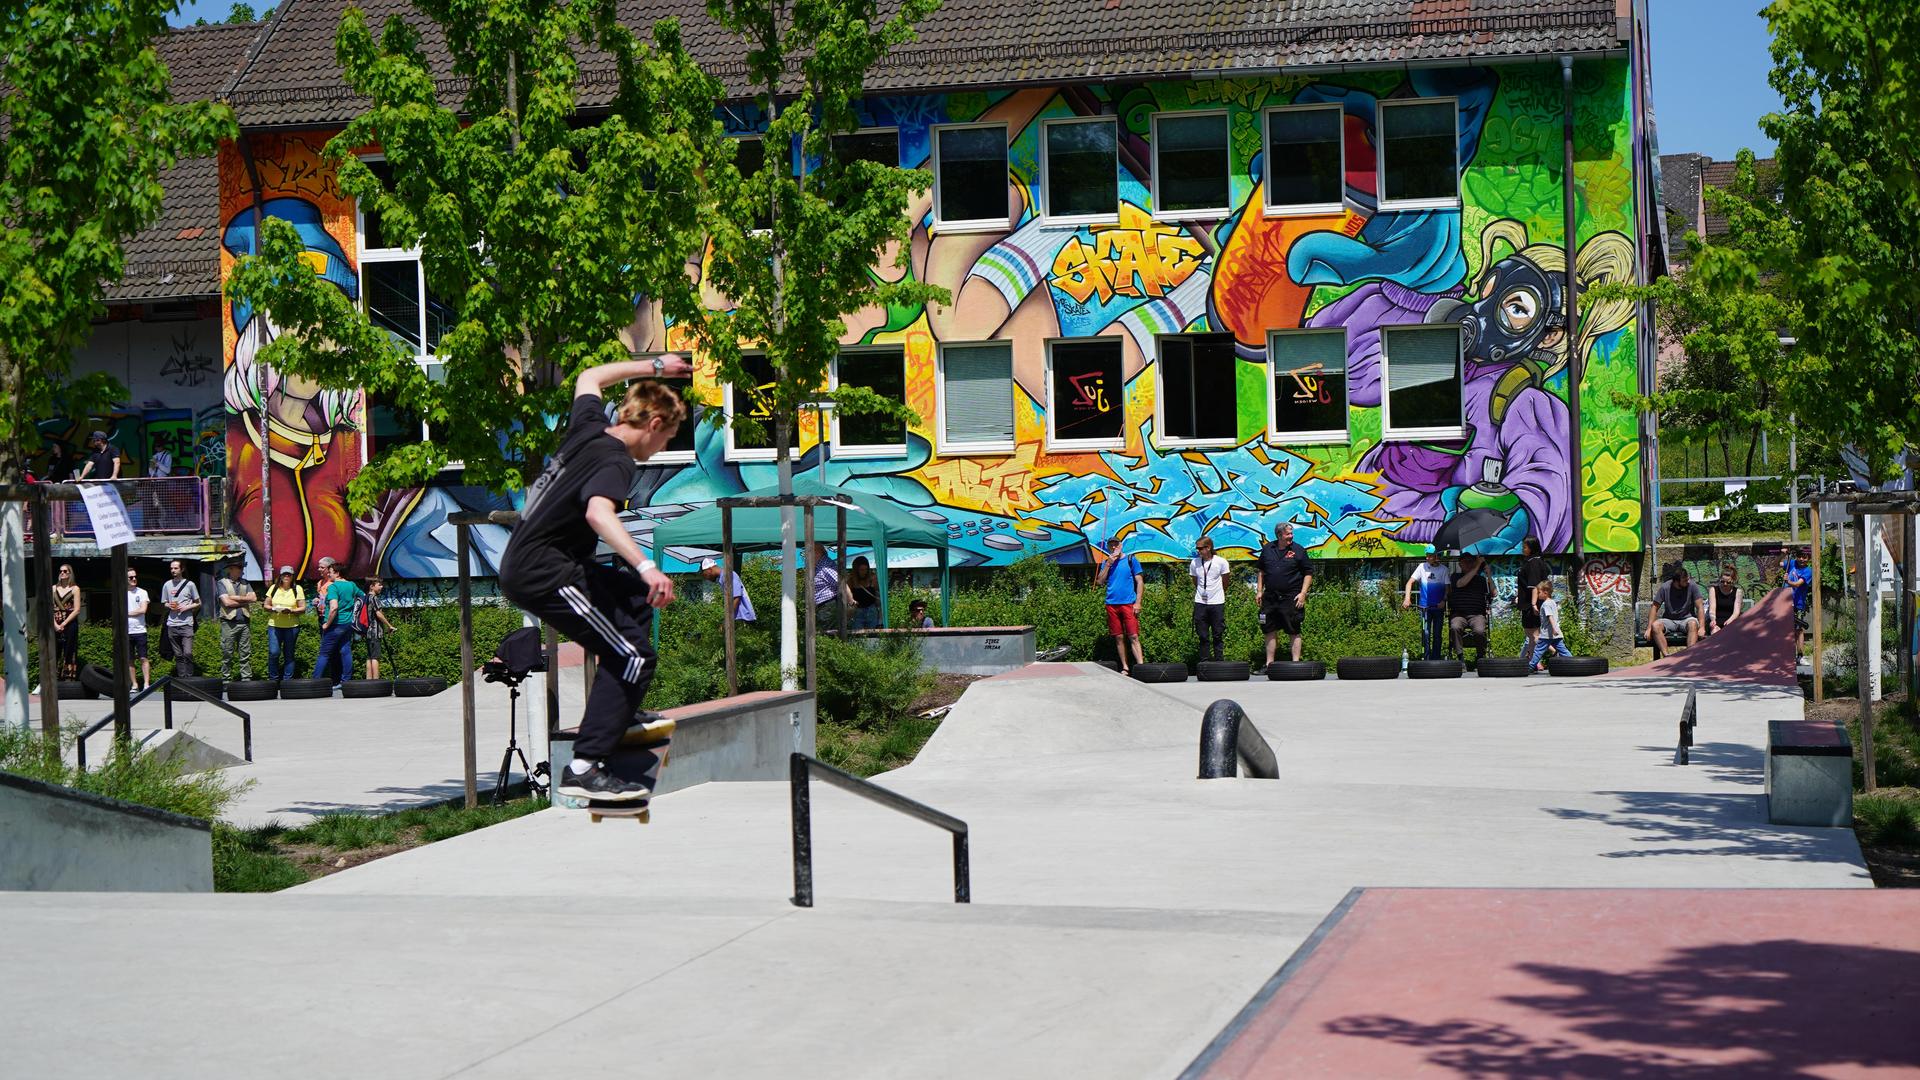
x=1124 y=911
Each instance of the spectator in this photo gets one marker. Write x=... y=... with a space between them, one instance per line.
x=1122 y=578
x=1533 y=571
x=1281 y=588
x=285 y=601
x=1724 y=600
x=1677 y=607
x=1209 y=573
x=377 y=626
x=742 y=603
x=1800 y=580
x=336 y=625
x=103 y=461
x=864 y=588
x=137 y=600
x=1468 y=600
x=161 y=463
x=1431 y=579
x=917 y=618
x=181 y=597
x=235 y=598
x=829 y=592
x=59 y=464
x=66 y=622
x=1551 y=638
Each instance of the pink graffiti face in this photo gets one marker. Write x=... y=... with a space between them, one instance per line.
x=1608 y=576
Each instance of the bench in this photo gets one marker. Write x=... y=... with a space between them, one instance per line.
x=1809 y=774
x=964 y=650
x=744 y=737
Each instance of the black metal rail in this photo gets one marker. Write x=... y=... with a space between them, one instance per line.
x=1689 y=716
x=160 y=684
x=1228 y=737
x=802 y=768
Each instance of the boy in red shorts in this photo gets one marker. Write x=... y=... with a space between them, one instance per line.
x=1122 y=576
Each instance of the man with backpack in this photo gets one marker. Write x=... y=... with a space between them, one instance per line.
x=181 y=597
x=339 y=597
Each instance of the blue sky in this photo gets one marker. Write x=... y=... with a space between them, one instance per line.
x=1710 y=66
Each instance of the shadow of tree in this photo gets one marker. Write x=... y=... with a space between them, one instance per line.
x=1784 y=1008
x=1724 y=762
x=1676 y=823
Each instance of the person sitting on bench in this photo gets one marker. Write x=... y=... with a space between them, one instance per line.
x=1678 y=608
x=1468 y=601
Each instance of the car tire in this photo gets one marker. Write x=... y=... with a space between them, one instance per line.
x=97 y=680
x=1435 y=669
x=1110 y=665
x=418 y=687
x=213 y=687
x=253 y=690
x=366 y=688
x=1296 y=671
x=72 y=691
x=1576 y=666
x=1368 y=667
x=1500 y=667
x=305 y=689
x=1167 y=673
x=1225 y=671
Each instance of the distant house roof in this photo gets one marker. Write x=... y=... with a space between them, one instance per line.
x=1684 y=179
x=294 y=81
x=178 y=256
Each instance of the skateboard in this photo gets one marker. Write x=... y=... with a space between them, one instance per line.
x=642 y=753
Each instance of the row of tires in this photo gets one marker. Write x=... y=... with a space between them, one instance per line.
x=95 y=683
x=1361 y=668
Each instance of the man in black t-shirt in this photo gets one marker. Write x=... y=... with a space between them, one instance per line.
x=549 y=570
x=1281 y=587
x=103 y=461
x=1533 y=571
x=1468 y=601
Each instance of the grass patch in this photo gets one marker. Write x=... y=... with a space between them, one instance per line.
x=275 y=857
x=869 y=752
x=1889 y=818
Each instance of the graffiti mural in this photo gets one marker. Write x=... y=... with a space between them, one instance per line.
x=1089 y=455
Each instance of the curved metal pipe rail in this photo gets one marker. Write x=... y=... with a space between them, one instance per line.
x=802 y=767
x=1227 y=738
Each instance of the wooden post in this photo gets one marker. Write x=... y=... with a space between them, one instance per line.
x=1861 y=645
x=726 y=595
x=1815 y=613
x=840 y=567
x=43 y=572
x=122 y=653
x=1910 y=553
x=461 y=543
x=812 y=570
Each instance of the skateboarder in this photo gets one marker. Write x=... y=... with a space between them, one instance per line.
x=549 y=570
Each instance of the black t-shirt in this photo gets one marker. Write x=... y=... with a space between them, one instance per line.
x=1283 y=567
x=1532 y=573
x=1675 y=602
x=102 y=460
x=1469 y=597
x=553 y=540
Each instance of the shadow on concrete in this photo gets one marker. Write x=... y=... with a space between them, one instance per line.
x=1730 y=763
x=1784 y=1008
x=1674 y=823
x=410 y=798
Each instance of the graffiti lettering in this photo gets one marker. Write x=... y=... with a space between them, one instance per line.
x=1145 y=261
x=1000 y=487
x=1309 y=385
x=1608 y=575
x=1092 y=388
x=187 y=366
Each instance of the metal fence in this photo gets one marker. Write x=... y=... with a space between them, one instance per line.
x=156 y=506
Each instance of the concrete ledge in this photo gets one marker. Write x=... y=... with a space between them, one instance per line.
x=1809 y=774
x=57 y=839
x=744 y=737
x=965 y=650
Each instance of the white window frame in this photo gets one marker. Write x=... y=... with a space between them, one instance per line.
x=1160 y=436
x=967 y=225
x=1226 y=152
x=1389 y=433
x=735 y=453
x=1272 y=209
x=674 y=457
x=940 y=442
x=1380 y=178
x=889 y=450
x=1046 y=208
x=1081 y=445
x=1276 y=437
x=364 y=255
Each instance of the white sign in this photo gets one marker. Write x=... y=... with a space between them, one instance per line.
x=108 y=513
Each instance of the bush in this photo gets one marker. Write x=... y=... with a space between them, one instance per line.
x=125 y=774
x=1887 y=820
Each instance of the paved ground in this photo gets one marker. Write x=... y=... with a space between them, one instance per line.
x=1124 y=911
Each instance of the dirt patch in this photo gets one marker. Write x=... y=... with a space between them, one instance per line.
x=1892 y=867
x=946 y=690
x=318 y=862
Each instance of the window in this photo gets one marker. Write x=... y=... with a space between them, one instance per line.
x=1308 y=402
x=1081 y=166
x=884 y=371
x=1086 y=402
x=389 y=423
x=1305 y=159
x=970 y=175
x=976 y=398
x=881 y=146
x=373 y=234
x=393 y=291
x=680 y=447
x=750 y=156
x=1419 y=153
x=1423 y=382
x=749 y=400
x=1198 y=403
x=1190 y=163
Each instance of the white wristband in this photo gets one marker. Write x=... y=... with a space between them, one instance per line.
x=646 y=565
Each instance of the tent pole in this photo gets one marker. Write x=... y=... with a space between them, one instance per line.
x=840 y=566
x=880 y=556
x=727 y=580
x=946 y=589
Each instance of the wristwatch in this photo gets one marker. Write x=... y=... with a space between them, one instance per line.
x=659 y=366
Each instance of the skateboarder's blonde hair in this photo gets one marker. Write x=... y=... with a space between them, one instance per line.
x=651 y=397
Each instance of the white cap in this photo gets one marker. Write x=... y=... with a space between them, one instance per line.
x=708 y=564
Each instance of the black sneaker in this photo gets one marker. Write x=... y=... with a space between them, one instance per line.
x=599 y=785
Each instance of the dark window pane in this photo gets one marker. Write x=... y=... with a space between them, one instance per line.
x=880 y=147
x=747 y=401
x=972 y=171
x=1303 y=157
x=1422 y=151
x=440 y=319
x=1083 y=174
x=1191 y=162
x=373 y=234
x=750 y=156
x=1087 y=397
x=393 y=299
x=1197 y=379
x=1423 y=377
x=1309 y=382
x=884 y=373
x=683 y=439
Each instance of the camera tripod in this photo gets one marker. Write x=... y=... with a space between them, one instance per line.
x=534 y=774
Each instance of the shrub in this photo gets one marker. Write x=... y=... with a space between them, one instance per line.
x=1887 y=820
x=125 y=774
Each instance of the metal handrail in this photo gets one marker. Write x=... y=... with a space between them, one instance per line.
x=1689 y=716
x=164 y=681
x=1228 y=737
x=801 y=767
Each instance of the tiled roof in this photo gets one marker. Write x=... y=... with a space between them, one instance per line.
x=1684 y=179
x=294 y=81
x=178 y=256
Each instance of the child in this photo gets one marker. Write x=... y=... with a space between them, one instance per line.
x=917 y=616
x=1550 y=636
x=377 y=627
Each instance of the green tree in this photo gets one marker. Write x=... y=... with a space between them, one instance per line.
x=536 y=231
x=243 y=13
x=794 y=244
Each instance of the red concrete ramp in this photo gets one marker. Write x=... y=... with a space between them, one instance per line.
x=1679 y=984
x=1760 y=647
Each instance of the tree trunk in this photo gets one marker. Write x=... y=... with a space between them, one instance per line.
x=13 y=550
